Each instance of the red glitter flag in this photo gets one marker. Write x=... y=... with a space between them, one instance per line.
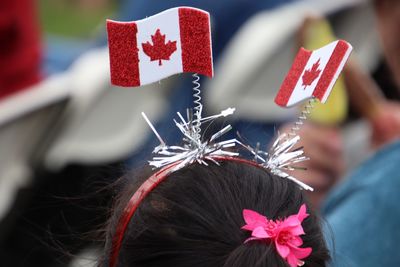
x=313 y=73
x=174 y=41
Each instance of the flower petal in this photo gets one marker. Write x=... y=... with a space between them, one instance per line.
x=302 y=214
x=259 y=232
x=296 y=241
x=298 y=230
x=248 y=227
x=253 y=219
x=292 y=260
x=300 y=253
x=291 y=221
x=283 y=250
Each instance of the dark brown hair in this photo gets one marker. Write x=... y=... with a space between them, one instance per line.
x=194 y=219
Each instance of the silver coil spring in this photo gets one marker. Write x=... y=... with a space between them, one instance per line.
x=303 y=116
x=198 y=106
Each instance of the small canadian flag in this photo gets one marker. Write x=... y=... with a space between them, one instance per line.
x=174 y=41
x=313 y=73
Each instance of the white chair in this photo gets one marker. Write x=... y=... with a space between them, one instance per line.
x=28 y=123
x=105 y=122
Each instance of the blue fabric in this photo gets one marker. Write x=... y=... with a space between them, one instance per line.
x=363 y=214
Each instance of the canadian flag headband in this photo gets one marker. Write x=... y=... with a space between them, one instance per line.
x=179 y=40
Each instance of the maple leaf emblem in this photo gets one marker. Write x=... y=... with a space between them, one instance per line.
x=311 y=75
x=159 y=50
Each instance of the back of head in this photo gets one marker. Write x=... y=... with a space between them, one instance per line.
x=194 y=219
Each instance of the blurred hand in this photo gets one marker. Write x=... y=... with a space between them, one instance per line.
x=324 y=146
x=386 y=124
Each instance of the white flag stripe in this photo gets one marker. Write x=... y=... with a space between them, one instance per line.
x=337 y=73
x=323 y=55
x=150 y=71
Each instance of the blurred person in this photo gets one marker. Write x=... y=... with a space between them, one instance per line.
x=362 y=212
x=387 y=124
x=20 y=46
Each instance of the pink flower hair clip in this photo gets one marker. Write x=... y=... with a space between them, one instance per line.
x=284 y=233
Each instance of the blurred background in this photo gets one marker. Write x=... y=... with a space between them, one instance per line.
x=66 y=134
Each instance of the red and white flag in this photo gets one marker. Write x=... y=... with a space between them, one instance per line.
x=174 y=41
x=313 y=73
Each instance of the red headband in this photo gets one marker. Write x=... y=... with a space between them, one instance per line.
x=152 y=182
